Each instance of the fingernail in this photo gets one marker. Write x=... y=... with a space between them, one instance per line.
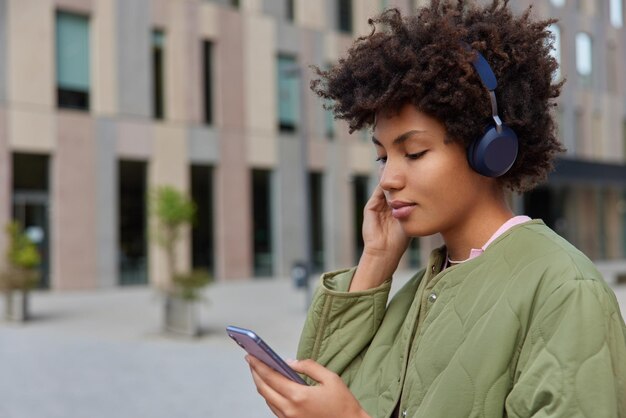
x=291 y=361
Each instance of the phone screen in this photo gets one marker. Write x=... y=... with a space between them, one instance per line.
x=255 y=346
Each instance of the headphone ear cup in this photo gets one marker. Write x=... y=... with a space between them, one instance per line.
x=494 y=153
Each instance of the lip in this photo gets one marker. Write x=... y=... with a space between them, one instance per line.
x=401 y=209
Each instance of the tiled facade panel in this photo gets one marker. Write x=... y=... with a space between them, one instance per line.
x=203 y=145
x=134 y=57
x=107 y=204
x=3 y=50
x=182 y=69
x=30 y=60
x=311 y=14
x=105 y=61
x=290 y=244
x=233 y=224
x=134 y=139
x=73 y=205
x=31 y=130
x=168 y=167
x=260 y=90
x=339 y=208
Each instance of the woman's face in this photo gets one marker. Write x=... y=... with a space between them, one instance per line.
x=427 y=182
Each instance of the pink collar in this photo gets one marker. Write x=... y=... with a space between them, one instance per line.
x=516 y=220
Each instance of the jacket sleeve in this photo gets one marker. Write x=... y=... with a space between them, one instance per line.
x=573 y=361
x=340 y=325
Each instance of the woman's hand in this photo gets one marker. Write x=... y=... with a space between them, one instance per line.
x=384 y=243
x=329 y=398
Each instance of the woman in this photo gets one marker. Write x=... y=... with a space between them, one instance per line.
x=507 y=319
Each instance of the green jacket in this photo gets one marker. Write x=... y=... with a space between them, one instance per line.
x=527 y=329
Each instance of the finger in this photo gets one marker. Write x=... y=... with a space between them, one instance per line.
x=378 y=195
x=314 y=370
x=273 y=399
x=275 y=410
x=279 y=383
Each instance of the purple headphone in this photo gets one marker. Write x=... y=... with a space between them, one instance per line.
x=494 y=153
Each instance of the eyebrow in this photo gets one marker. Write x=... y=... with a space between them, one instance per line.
x=400 y=138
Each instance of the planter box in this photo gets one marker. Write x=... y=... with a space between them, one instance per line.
x=17 y=306
x=181 y=316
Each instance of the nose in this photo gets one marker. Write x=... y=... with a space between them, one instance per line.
x=391 y=176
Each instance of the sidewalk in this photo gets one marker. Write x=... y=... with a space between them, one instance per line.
x=101 y=354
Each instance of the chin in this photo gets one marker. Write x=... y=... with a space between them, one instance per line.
x=418 y=229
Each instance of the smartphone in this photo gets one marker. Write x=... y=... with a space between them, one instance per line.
x=255 y=346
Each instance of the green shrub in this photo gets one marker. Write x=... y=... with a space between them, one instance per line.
x=188 y=285
x=23 y=259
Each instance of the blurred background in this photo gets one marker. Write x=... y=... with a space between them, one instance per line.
x=103 y=102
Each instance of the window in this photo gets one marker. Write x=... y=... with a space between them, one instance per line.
x=316 y=190
x=344 y=16
x=617 y=13
x=262 y=222
x=158 y=73
x=202 y=245
x=290 y=11
x=360 y=195
x=558 y=3
x=72 y=61
x=207 y=62
x=288 y=93
x=132 y=223
x=584 y=57
x=329 y=118
x=556 y=49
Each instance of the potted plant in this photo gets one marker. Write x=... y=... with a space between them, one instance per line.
x=173 y=211
x=21 y=273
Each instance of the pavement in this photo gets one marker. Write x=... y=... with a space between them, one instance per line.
x=93 y=354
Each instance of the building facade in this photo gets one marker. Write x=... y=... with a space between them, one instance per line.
x=101 y=101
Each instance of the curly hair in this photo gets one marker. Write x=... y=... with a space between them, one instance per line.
x=420 y=59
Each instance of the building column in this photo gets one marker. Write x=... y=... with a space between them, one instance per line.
x=232 y=176
x=73 y=202
x=6 y=197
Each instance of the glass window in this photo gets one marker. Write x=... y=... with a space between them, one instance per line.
x=316 y=190
x=158 y=73
x=202 y=245
x=330 y=122
x=556 y=49
x=584 y=57
x=344 y=15
x=72 y=61
x=207 y=57
x=360 y=195
x=288 y=93
x=132 y=222
x=290 y=13
x=617 y=13
x=262 y=222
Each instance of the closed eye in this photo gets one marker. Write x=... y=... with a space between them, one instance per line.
x=416 y=155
